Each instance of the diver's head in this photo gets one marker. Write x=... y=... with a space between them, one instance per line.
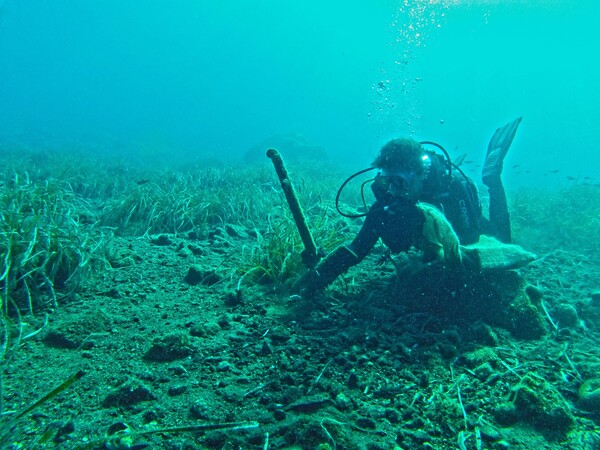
x=401 y=164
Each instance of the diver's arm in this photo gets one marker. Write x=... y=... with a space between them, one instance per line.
x=341 y=259
x=330 y=267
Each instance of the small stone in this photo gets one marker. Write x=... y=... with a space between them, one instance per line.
x=223 y=366
x=589 y=395
x=128 y=394
x=392 y=416
x=113 y=292
x=184 y=253
x=372 y=341
x=63 y=432
x=478 y=357
x=484 y=371
x=534 y=293
x=205 y=329
x=342 y=402
x=541 y=404
x=414 y=424
x=198 y=234
x=424 y=380
x=170 y=347
x=177 y=370
x=506 y=414
x=196 y=274
x=59 y=339
x=352 y=380
x=234 y=298
x=75 y=332
x=199 y=410
x=484 y=334
x=235 y=231
x=177 y=390
x=310 y=404
x=266 y=348
x=421 y=436
x=150 y=416
x=490 y=433
x=195 y=249
x=447 y=350
x=224 y=323
x=366 y=422
x=279 y=415
x=161 y=240
x=288 y=379
x=566 y=316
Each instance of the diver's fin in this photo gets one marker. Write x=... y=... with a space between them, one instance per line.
x=497 y=149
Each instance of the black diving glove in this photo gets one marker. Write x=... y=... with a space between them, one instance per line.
x=326 y=271
x=309 y=284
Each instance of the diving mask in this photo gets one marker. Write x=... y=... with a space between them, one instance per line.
x=395 y=184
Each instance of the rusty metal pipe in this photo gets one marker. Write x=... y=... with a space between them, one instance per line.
x=310 y=255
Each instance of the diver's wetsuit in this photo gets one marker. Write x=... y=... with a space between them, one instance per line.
x=399 y=224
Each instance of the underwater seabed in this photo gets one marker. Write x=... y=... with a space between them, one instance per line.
x=150 y=307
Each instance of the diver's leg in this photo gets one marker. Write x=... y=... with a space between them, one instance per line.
x=492 y=170
x=499 y=217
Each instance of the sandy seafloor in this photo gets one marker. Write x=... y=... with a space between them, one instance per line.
x=352 y=368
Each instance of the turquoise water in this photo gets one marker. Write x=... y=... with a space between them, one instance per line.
x=174 y=288
x=203 y=77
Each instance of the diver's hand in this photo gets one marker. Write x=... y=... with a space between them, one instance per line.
x=308 y=285
x=312 y=259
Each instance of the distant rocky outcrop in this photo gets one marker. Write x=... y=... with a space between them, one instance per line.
x=293 y=147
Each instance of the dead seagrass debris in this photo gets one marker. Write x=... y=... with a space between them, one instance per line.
x=9 y=424
x=309 y=404
x=121 y=436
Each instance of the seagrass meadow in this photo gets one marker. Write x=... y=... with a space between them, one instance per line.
x=152 y=306
x=159 y=290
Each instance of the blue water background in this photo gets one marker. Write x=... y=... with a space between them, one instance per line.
x=208 y=78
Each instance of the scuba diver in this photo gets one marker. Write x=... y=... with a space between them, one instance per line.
x=419 y=191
